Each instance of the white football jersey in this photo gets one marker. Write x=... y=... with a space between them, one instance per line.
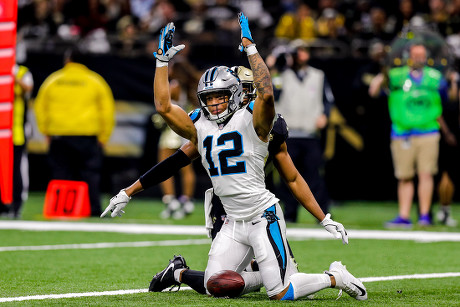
x=234 y=157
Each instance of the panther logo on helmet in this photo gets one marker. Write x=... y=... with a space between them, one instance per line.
x=220 y=79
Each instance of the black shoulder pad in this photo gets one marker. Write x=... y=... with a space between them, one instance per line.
x=280 y=128
x=278 y=135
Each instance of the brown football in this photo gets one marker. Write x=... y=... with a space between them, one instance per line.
x=226 y=283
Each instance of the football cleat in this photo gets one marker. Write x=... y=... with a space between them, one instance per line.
x=187 y=205
x=445 y=218
x=165 y=278
x=172 y=205
x=347 y=282
x=178 y=214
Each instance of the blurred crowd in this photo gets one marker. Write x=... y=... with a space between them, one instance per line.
x=130 y=27
x=288 y=33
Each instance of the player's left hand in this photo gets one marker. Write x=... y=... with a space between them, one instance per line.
x=117 y=204
x=335 y=228
x=245 y=32
x=166 y=51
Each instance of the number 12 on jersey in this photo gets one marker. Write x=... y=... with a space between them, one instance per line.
x=224 y=154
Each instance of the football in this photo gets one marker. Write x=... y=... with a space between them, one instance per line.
x=225 y=283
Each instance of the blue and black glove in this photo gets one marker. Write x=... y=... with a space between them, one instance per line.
x=166 y=51
x=245 y=32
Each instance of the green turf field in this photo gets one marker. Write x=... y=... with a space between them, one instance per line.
x=45 y=272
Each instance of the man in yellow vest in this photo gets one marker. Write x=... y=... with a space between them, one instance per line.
x=75 y=109
x=23 y=86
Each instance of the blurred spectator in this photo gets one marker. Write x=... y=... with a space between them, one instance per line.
x=296 y=25
x=404 y=15
x=140 y=7
x=438 y=16
x=23 y=86
x=86 y=15
x=95 y=41
x=381 y=27
x=367 y=72
x=256 y=13
x=305 y=99
x=221 y=15
x=330 y=25
x=161 y=13
x=196 y=23
x=415 y=107
x=360 y=16
x=127 y=43
x=114 y=11
x=449 y=166
x=36 y=21
x=75 y=110
x=453 y=22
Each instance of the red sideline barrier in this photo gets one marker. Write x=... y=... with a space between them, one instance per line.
x=8 y=17
x=6 y=115
x=6 y=61
x=6 y=166
x=7 y=34
x=8 y=10
x=67 y=199
x=6 y=88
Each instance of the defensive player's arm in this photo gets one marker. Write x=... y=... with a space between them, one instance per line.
x=165 y=169
x=155 y=175
x=264 y=106
x=296 y=183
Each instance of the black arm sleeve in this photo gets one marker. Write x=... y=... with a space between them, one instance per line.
x=164 y=169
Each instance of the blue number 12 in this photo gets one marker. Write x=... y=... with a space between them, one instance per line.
x=224 y=154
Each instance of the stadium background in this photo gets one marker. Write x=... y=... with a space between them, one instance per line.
x=351 y=173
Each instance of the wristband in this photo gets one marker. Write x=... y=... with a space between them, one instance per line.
x=161 y=63
x=251 y=49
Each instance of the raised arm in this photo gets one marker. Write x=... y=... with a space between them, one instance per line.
x=264 y=106
x=174 y=116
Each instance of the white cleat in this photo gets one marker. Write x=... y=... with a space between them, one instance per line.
x=347 y=282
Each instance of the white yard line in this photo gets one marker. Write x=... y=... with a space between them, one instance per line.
x=414 y=276
x=134 y=291
x=292 y=233
x=106 y=245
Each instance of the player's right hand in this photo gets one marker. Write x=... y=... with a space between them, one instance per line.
x=117 y=204
x=166 y=51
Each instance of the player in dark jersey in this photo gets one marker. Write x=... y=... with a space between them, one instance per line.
x=180 y=272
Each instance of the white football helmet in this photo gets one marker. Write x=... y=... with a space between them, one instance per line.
x=220 y=79
x=247 y=80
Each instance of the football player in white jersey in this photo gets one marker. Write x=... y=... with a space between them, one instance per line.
x=233 y=144
x=216 y=214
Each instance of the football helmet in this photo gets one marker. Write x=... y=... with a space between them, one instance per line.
x=220 y=79
x=247 y=80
